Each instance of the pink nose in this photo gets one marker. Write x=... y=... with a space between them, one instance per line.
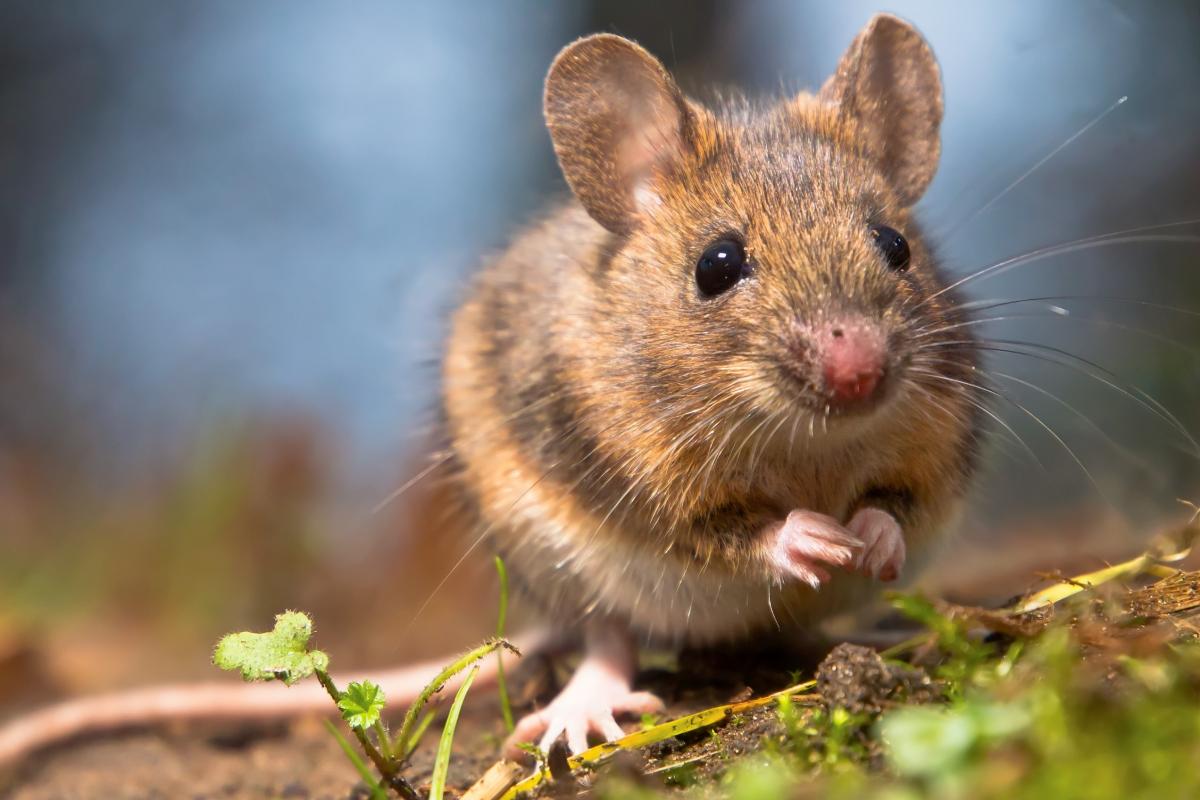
x=852 y=361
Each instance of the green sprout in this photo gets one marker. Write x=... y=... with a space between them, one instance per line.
x=361 y=704
x=283 y=654
x=360 y=766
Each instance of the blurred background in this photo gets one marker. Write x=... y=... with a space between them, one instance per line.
x=230 y=235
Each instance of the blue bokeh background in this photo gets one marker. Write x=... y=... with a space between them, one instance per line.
x=213 y=210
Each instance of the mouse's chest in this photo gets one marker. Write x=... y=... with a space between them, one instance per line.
x=785 y=482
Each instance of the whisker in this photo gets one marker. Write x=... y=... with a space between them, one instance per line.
x=1114 y=381
x=1074 y=456
x=989 y=305
x=1129 y=236
x=1040 y=163
x=999 y=420
x=1124 y=451
x=471 y=549
x=792 y=435
x=449 y=454
x=771 y=606
x=1066 y=315
x=1037 y=166
x=1078 y=363
x=757 y=452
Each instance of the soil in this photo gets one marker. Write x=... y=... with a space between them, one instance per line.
x=301 y=760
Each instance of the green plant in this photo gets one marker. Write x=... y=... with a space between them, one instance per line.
x=1084 y=689
x=964 y=659
x=501 y=618
x=283 y=654
x=441 y=764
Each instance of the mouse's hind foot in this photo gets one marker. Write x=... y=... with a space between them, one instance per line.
x=598 y=693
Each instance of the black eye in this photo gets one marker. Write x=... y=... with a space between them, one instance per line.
x=892 y=245
x=720 y=267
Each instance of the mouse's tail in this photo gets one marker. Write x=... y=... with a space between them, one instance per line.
x=226 y=701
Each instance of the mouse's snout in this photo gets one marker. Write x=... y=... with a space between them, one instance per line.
x=850 y=356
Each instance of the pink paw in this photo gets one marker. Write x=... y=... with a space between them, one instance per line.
x=588 y=704
x=798 y=546
x=882 y=553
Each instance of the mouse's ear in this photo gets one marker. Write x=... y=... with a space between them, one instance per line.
x=616 y=119
x=888 y=80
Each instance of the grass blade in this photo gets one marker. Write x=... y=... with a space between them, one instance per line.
x=377 y=792
x=501 y=619
x=663 y=731
x=419 y=732
x=1169 y=548
x=441 y=763
x=435 y=685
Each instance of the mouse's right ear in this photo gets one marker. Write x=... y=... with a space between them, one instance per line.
x=617 y=120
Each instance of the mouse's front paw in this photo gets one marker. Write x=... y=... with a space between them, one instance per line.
x=798 y=546
x=882 y=553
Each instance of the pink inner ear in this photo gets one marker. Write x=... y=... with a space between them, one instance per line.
x=617 y=119
x=649 y=144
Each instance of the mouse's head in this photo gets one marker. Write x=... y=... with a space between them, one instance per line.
x=767 y=252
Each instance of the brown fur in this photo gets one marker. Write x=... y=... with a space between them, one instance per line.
x=623 y=438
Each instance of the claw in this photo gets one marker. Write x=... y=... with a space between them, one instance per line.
x=598 y=692
x=798 y=546
x=587 y=706
x=883 y=552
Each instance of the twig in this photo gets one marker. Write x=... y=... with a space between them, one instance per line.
x=495 y=782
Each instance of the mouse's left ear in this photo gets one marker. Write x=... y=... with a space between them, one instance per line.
x=889 y=82
x=618 y=121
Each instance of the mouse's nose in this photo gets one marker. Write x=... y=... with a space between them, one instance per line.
x=852 y=360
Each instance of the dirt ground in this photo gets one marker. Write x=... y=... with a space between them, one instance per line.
x=301 y=760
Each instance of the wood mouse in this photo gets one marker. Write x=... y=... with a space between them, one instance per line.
x=703 y=398
x=713 y=399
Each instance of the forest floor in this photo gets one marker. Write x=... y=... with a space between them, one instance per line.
x=1094 y=696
